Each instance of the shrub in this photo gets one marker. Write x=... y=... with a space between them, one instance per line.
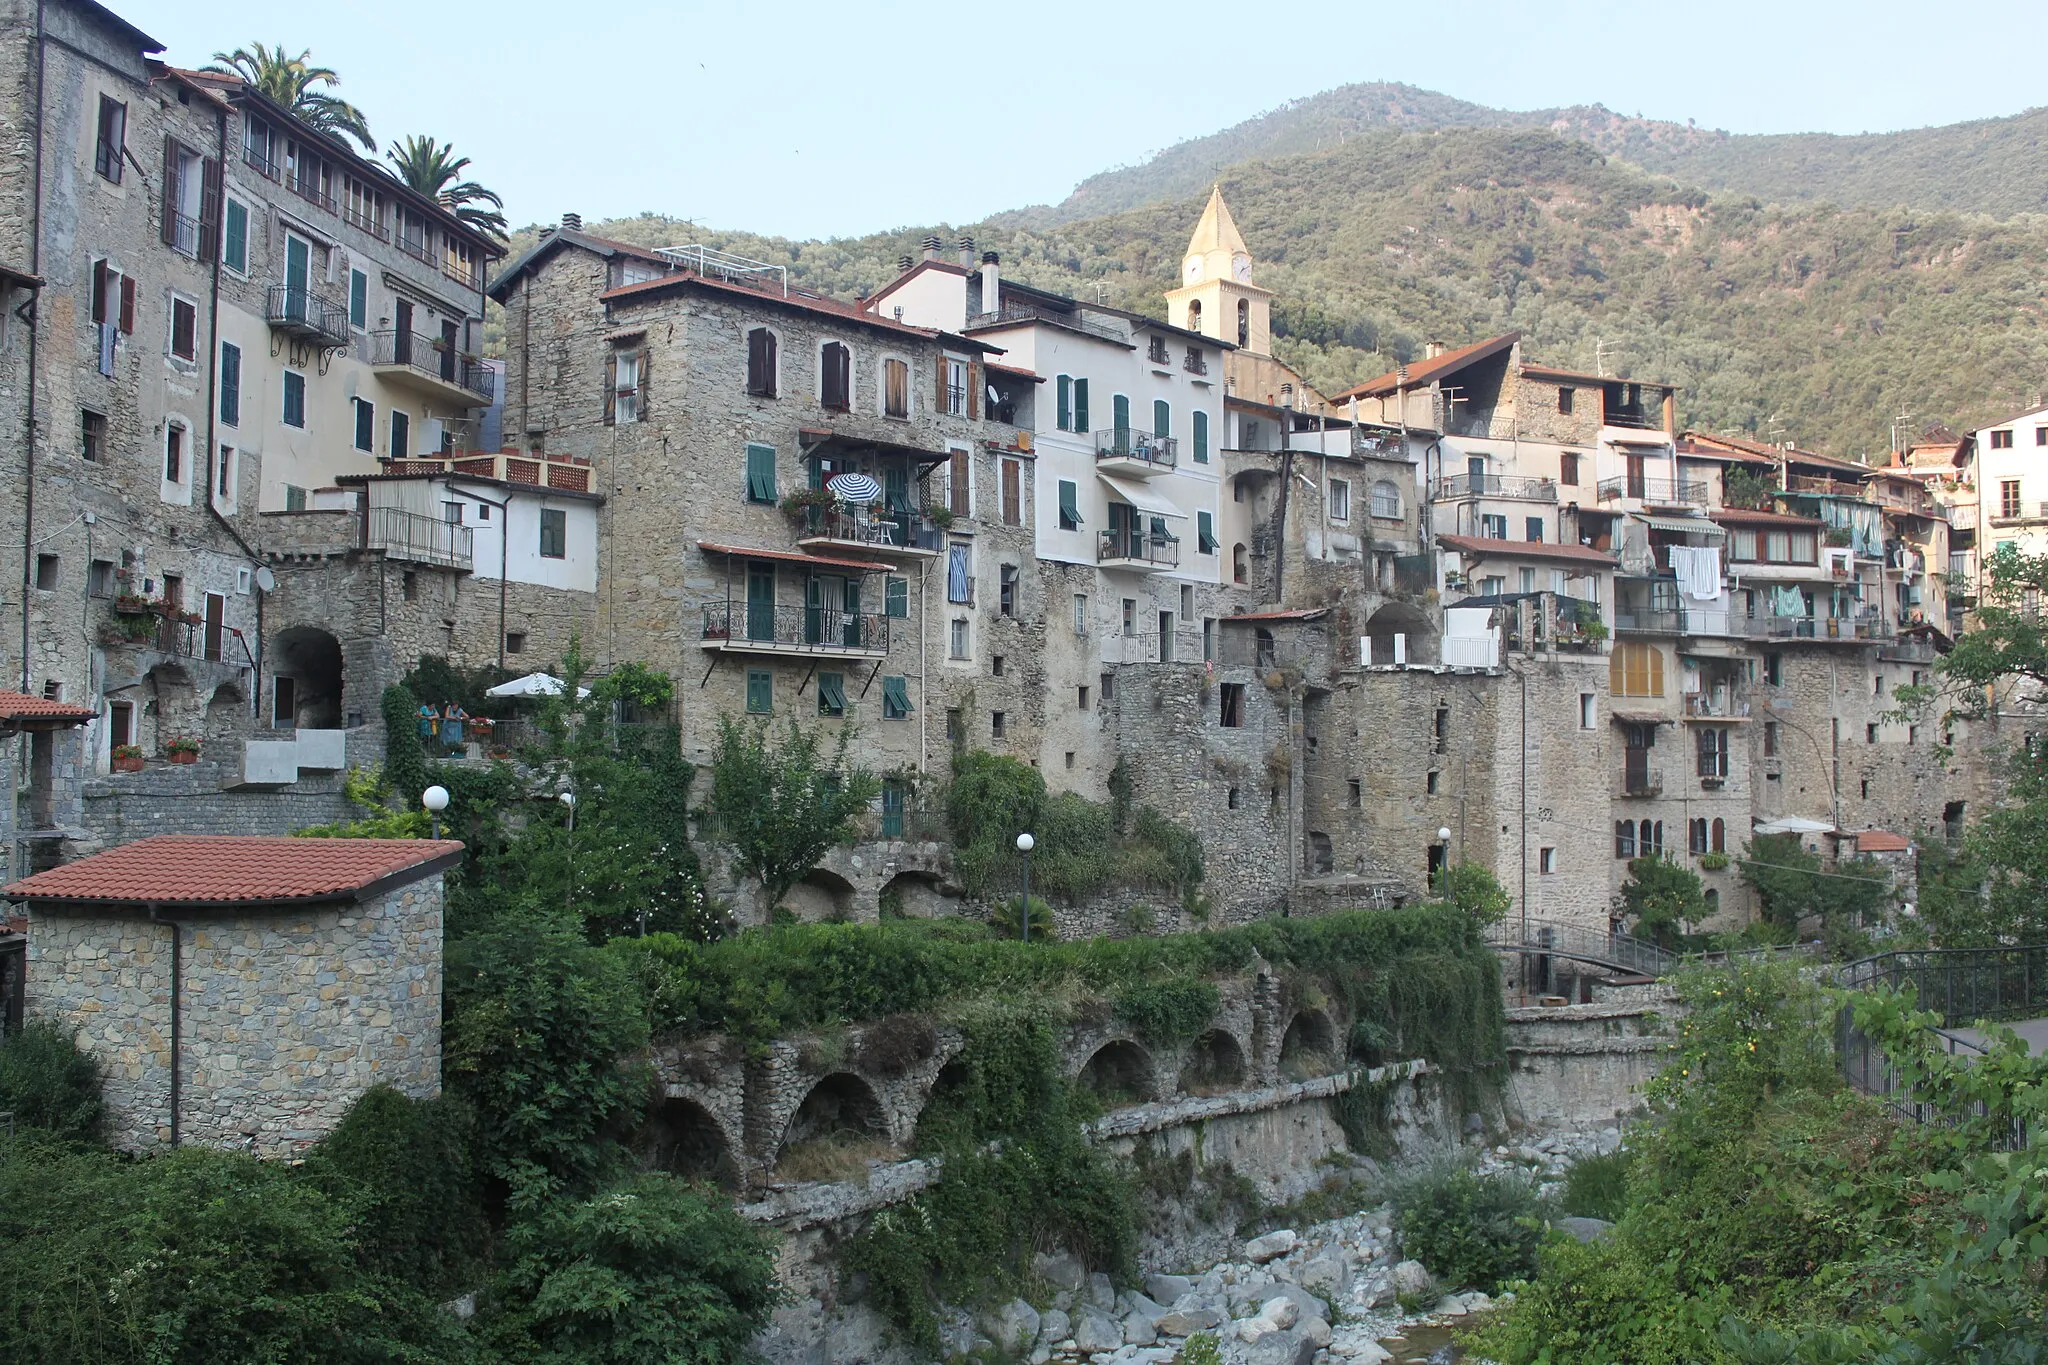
x=1168 y=1012
x=1603 y=1303
x=1471 y=1230
x=49 y=1084
x=1597 y=1187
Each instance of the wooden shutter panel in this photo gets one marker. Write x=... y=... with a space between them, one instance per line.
x=99 y=291
x=209 y=209
x=1013 y=501
x=958 y=491
x=127 y=305
x=974 y=389
x=939 y=403
x=644 y=354
x=1081 y=405
x=611 y=387
x=168 y=192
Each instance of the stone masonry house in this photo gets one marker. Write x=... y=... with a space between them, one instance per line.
x=243 y=992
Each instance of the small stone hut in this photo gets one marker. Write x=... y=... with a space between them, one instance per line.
x=243 y=992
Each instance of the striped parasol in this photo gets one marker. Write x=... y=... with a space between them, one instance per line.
x=857 y=489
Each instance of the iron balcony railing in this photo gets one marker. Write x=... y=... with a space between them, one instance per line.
x=221 y=644
x=183 y=234
x=857 y=526
x=1513 y=486
x=309 y=188
x=1664 y=492
x=1136 y=545
x=1815 y=627
x=431 y=355
x=1640 y=780
x=1635 y=955
x=356 y=217
x=419 y=539
x=1630 y=417
x=310 y=316
x=1156 y=352
x=825 y=629
x=1682 y=621
x=419 y=250
x=1129 y=443
x=1195 y=363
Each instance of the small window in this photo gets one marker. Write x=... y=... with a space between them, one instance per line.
x=895 y=389
x=1431 y=785
x=1082 y=702
x=1564 y=405
x=1386 y=500
x=366 y=425
x=1568 y=469
x=295 y=399
x=294 y=498
x=1070 y=505
x=896 y=598
x=230 y=384
x=1340 y=500
x=1546 y=860
x=1232 y=799
x=1770 y=739
x=1007 y=592
x=1441 y=730
x=1080 y=613
x=1232 y=713
x=409 y=586
x=995 y=665
x=358 y=300
x=224 y=472
x=760 y=691
x=1064 y=387
x=1588 y=710
x=896 y=699
x=1357 y=792
x=174 y=453
x=483 y=511
x=1107 y=683
x=956 y=637
x=955 y=396
x=761 y=363
x=184 y=329
x=998 y=724
x=1013 y=493
x=1205 y=532
x=831 y=694
x=2001 y=440
x=628 y=385
x=515 y=642
x=47 y=572
x=1870 y=733
x=760 y=473
x=112 y=143
x=554 y=533
x=1774 y=668
x=99 y=578
x=92 y=435
x=1130 y=616
x=1532 y=530
x=1624 y=838
x=234 y=242
x=451 y=512
x=401 y=435
x=1201 y=421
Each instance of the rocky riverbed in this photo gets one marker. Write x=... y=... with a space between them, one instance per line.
x=1332 y=1293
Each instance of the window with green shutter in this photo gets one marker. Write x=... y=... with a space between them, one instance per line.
x=896 y=598
x=358 y=299
x=234 y=251
x=1201 y=437
x=760 y=473
x=1065 y=384
x=1070 y=505
x=1120 y=421
x=760 y=691
x=831 y=694
x=1162 y=417
x=895 y=699
x=1205 y=532
x=1080 y=405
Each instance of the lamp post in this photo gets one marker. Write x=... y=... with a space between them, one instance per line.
x=1025 y=843
x=435 y=799
x=568 y=800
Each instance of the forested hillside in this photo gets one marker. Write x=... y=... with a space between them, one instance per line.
x=1814 y=323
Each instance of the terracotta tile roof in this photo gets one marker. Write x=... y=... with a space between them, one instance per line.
x=228 y=870
x=1882 y=841
x=1421 y=375
x=17 y=706
x=795 y=557
x=1016 y=370
x=1488 y=548
x=810 y=303
x=1296 y=614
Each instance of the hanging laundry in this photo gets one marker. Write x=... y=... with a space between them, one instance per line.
x=1787 y=601
x=1698 y=570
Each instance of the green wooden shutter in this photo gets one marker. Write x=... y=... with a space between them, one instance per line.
x=1066 y=403
x=895 y=699
x=760 y=473
x=831 y=694
x=1162 y=417
x=236 y=253
x=1120 y=419
x=760 y=691
x=897 y=598
x=1206 y=532
x=1080 y=405
x=1201 y=437
x=1070 y=510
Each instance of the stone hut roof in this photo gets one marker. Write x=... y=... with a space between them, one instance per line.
x=234 y=872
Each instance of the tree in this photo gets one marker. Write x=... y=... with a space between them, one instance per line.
x=1474 y=889
x=2010 y=639
x=781 y=805
x=291 y=82
x=1663 y=899
x=1847 y=899
x=432 y=168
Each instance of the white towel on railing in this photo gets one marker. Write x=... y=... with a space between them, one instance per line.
x=1698 y=570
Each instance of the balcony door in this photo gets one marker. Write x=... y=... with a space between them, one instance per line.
x=401 y=336
x=298 y=272
x=1638 y=481
x=449 y=334
x=760 y=602
x=1123 y=523
x=1120 y=418
x=1475 y=474
x=216 y=624
x=1636 y=758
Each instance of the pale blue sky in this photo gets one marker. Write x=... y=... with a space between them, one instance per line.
x=834 y=119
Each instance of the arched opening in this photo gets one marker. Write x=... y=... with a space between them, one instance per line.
x=1322 y=855
x=1120 y=1073
x=1194 y=315
x=821 y=895
x=915 y=895
x=948 y=1113
x=1417 y=639
x=226 y=713
x=1713 y=900
x=1309 y=1047
x=835 y=1132
x=1215 y=1064
x=1240 y=563
x=1244 y=322
x=306 y=686
x=685 y=1141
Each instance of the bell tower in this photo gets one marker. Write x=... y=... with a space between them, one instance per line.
x=1216 y=296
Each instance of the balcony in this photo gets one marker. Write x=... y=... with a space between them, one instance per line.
x=1126 y=450
x=304 y=315
x=1679 y=621
x=1654 y=492
x=163 y=629
x=431 y=367
x=1511 y=486
x=181 y=232
x=1194 y=363
x=1156 y=352
x=1716 y=707
x=762 y=628
x=417 y=248
x=1137 y=551
x=419 y=539
x=1822 y=486
x=1845 y=629
x=1150 y=647
x=837 y=527
x=1640 y=780
x=1380 y=445
x=506 y=466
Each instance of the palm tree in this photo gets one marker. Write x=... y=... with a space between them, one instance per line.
x=289 y=81
x=431 y=168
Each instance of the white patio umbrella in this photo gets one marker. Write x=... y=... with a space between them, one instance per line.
x=854 y=488
x=534 y=685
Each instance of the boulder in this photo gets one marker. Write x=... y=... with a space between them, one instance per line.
x=1281 y=1348
x=1012 y=1327
x=1185 y=1322
x=1101 y=1293
x=1061 y=1272
x=1167 y=1288
x=1367 y=1353
x=1054 y=1326
x=1328 y=1274
x=1138 y=1330
x=1586 y=1229
x=1095 y=1330
x=1280 y=1311
x=1316 y=1331
x=1270 y=1247
x=1411 y=1278
x=1305 y=1304
x=1130 y=1301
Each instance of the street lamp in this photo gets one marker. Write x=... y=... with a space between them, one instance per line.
x=568 y=800
x=435 y=799
x=1025 y=843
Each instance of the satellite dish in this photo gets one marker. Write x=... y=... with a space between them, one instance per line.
x=265 y=579
x=993 y=396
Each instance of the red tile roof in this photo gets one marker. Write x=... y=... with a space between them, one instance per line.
x=1421 y=375
x=793 y=557
x=18 y=706
x=1882 y=841
x=229 y=870
x=812 y=303
x=1488 y=548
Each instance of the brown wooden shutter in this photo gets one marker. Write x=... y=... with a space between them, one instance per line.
x=957 y=481
x=209 y=209
x=757 y=361
x=939 y=403
x=770 y=350
x=1013 y=500
x=974 y=389
x=127 y=305
x=611 y=387
x=100 y=277
x=645 y=353
x=168 y=192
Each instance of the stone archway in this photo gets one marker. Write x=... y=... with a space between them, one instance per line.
x=838 y=1128
x=1419 y=642
x=915 y=894
x=1309 y=1047
x=948 y=1108
x=1215 y=1063
x=307 y=677
x=821 y=895
x=1120 y=1073
x=686 y=1141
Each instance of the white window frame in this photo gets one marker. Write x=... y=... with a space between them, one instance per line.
x=1340 y=500
x=183 y=362
x=178 y=491
x=966 y=377
x=958 y=644
x=1393 y=489
x=626 y=385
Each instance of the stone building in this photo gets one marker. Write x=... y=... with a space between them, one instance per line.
x=40 y=766
x=243 y=992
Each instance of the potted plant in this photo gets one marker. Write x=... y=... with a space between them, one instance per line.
x=806 y=507
x=182 y=749
x=132 y=604
x=127 y=758
x=939 y=515
x=1713 y=862
x=1595 y=631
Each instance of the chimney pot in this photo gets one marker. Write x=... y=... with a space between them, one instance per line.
x=931 y=246
x=991 y=284
x=990 y=258
x=1432 y=349
x=904 y=262
x=573 y=221
x=966 y=250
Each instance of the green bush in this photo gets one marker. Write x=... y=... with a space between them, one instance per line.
x=1603 y=1303
x=1597 y=1187
x=648 y=1270
x=1472 y=1231
x=1168 y=1013
x=50 y=1085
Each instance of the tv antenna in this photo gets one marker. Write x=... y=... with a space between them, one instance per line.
x=1602 y=349
x=1900 y=432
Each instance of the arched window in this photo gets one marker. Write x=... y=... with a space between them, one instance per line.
x=1720 y=836
x=1386 y=499
x=1624 y=838
x=1244 y=322
x=1194 y=315
x=1646 y=843
x=1713 y=899
x=835 y=377
x=1696 y=836
x=1240 y=564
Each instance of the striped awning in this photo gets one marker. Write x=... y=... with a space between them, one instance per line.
x=1690 y=526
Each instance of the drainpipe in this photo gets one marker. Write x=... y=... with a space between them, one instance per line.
x=28 y=443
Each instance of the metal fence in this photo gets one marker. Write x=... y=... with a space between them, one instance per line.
x=1582 y=944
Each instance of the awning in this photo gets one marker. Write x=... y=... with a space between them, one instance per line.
x=1683 y=525
x=792 y=557
x=534 y=685
x=1641 y=718
x=1139 y=496
x=1792 y=824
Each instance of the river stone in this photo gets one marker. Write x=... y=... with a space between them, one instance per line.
x=1317 y=1332
x=1167 y=1288
x=1095 y=1330
x=1280 y=1311
x=1305 y=1304
x=1368 y=1353
x=1411 y=1278
x=1013 y=1327
x=1281 y=1348
x=1138 y=1330
x=1054 y=1326
x=1270 y=1247
x=1130 y=1301
x=1101 y=1293
x=1185 y=1322
x=1061 y=1272
x=1586 y=1229
x=1327 y=1275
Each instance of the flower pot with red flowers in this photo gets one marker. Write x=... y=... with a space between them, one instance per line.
x=182 y=749
x=127 y=758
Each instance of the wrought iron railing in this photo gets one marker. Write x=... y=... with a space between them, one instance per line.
x=1129 y=443
x=189 y=639
x=419 y=249
x=1624 y=417
x=1194 y=363
x=1762 y=627
x=1156 y=352
x=357 y=218
x=182 y=233
x=1513 y=486
x=1582 y=944
x=825 y=629
x=1664 y=492
x=859 y=526
x=418 y=539
x=1135 y=545
x=1640 y=781
x=431 y=355
x=305 y=313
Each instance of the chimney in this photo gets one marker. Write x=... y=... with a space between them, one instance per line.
x=904 y=262
x=967 y=251
x=573 y=222
x=931 y=248
x=547 y=232
x=1432 y=349
x=991 y=283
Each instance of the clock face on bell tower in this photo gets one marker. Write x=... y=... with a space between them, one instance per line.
x=1193 y=270
x=1241 y=266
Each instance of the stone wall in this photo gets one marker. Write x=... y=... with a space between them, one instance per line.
x=207 y=797
x=1585 y=1065
x=286 y=1016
